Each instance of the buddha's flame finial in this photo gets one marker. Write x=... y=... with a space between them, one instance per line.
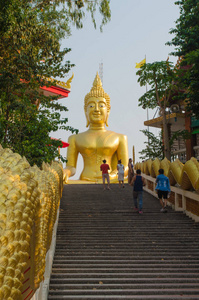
x=97 y=91
x=97 y=82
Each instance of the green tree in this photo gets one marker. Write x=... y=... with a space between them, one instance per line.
x=159 y=76
x=30 y=53
x=154 y=146
x=186 y=44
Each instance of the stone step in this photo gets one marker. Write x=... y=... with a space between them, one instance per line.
x=133 y=256
x=139 y=274
x=136 y=291
x=119 y=297
x=125 y=252
x=125 y=269
x=119 y=261
x=126 y=286
x=138 y=245
x=126 y=281
x=123 y=265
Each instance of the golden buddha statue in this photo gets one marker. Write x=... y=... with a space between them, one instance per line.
x=97 y=143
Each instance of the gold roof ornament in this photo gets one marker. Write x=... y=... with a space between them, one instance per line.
x=97 y=91
x=67 y=84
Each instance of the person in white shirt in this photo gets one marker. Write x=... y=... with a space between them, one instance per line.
x=120 y=168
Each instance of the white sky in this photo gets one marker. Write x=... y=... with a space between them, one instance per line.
x=137 y=28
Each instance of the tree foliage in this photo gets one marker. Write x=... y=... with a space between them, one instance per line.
x=183 y=134
x=30 y=53
x=160 y=78
x=154 y=146
x=186 y=44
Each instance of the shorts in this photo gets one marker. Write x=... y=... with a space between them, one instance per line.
x=163 y=194
x=105 y=175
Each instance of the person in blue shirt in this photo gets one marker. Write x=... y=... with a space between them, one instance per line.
x=138 y=181
x=163 y=189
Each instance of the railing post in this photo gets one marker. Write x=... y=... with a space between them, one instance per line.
x=184 y=206
x=176 y=205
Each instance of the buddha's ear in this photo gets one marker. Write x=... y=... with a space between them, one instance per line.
x=106 y=121
x=87 y=122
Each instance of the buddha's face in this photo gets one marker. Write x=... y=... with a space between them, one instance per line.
x=96 y=111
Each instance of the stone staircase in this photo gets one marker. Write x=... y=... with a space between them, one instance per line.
x=105 y=250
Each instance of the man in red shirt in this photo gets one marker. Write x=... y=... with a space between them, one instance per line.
x=104 y=168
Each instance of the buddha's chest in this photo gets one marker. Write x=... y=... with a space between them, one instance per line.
x=103 y=143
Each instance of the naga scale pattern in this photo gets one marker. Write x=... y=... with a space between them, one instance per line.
x=29 y=200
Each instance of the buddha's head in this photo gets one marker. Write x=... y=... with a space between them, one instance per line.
x=97 y=104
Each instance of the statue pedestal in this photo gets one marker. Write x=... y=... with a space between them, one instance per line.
x=80 y=182
x=92 y=182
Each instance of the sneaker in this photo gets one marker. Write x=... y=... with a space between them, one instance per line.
x=135 y=209
x=140 y=212
x=162 y=210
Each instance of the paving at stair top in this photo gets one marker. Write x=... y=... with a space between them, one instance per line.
x=105 y=250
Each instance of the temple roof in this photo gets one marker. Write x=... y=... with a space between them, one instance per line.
x=61 y=88
x=175 y=119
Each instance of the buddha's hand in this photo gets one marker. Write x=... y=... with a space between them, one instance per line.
x=66 y=176
x=113 y=174
x=68 y=172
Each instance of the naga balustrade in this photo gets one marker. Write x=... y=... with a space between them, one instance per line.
x=29 y=209
x=184 y=180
